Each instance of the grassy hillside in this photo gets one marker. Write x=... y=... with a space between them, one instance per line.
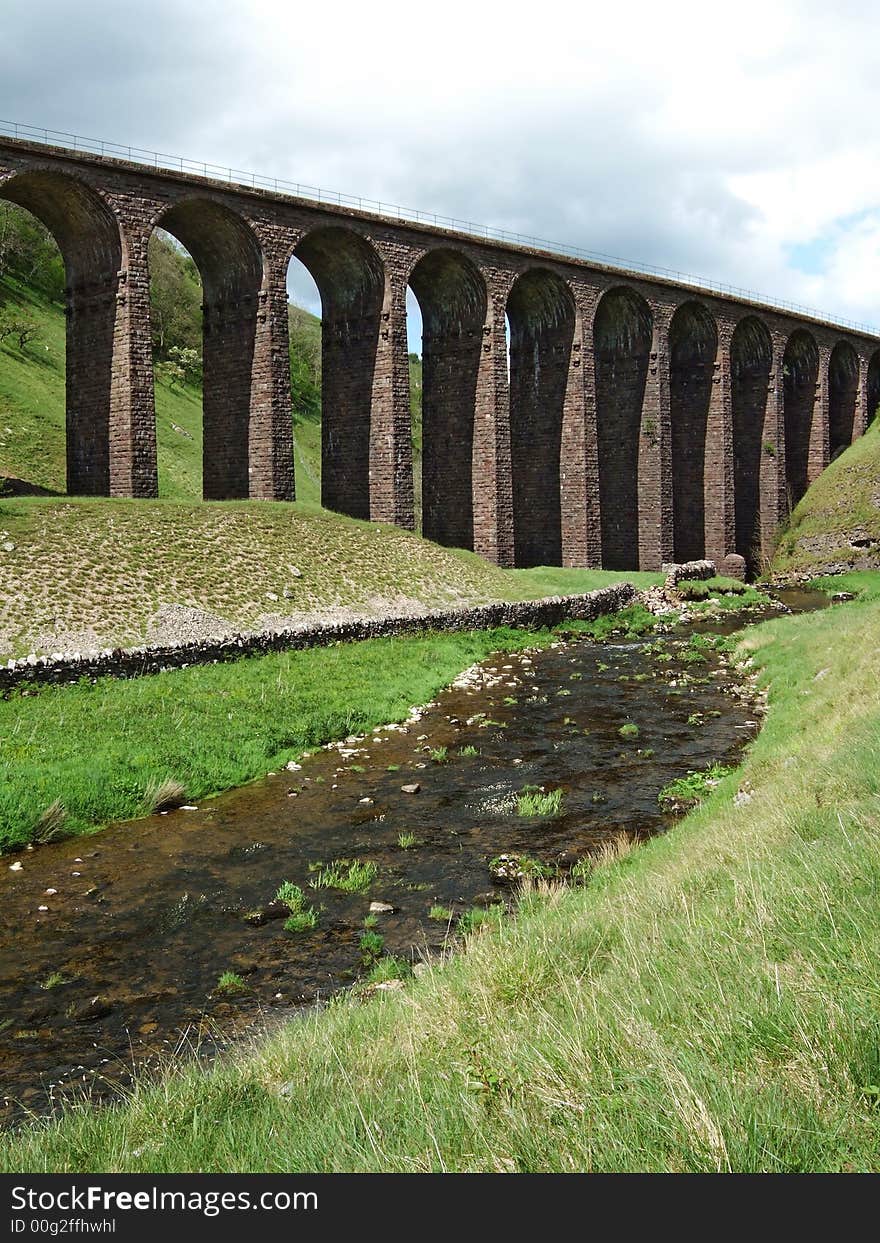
x=836 y=526
x=706 y=1002
x=32 y=407
x=86 y=572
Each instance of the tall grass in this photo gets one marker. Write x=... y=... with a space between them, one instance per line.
x=94 y=753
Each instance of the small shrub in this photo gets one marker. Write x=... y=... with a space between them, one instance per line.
x=406 y=841
x=468 y=751
x=440 y=755
x=230 y=983
x=371 y=920
x=442 y=914
x=629 y=730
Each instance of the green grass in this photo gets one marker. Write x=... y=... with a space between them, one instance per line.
x=101 y=569
x=302 y=920
x=32 y=404
x=718 y=585
x=347 y=875
x=230 y=983
x=534 y=802
x=841 y=503
x=693 y=787
x=302 y=917
x=95 y=750
x=707 y=1001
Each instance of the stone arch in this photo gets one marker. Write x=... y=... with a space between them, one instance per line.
x=452 y=297
x=843 y=396
x=751 y=362
x=230 y=261
x=92 y=248
x=800 y=374
x=693 y=345
x=622 y=337
x=351 y=281
x=541 y=314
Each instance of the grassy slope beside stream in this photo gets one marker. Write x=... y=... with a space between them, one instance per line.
x=708 y=1002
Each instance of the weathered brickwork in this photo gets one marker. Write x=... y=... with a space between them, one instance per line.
x=634 y=421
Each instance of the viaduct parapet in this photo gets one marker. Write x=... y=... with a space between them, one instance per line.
x=635 y=421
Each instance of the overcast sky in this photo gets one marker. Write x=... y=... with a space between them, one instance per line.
x=737 y=141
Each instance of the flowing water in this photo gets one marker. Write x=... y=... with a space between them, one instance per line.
x=111 y=946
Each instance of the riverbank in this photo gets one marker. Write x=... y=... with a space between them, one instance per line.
x=703 y=1003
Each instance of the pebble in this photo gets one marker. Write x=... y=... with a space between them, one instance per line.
x=51 y=892
x=292 y=766
x=42 y=908
x=365 y=802
x=17 y=866
x=412 y=788
x=381 y=908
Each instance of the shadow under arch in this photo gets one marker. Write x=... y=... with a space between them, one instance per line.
x=800 y=372
x=452 y=297
x=350 y=278
x=90 y=241
x=541 y=314
x=229 y=258
x=622 y=337
x=693 y=345
x=873 y=387
x=843 y=396
x=751 y=361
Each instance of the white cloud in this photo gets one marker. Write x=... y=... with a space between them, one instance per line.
x=704 y=138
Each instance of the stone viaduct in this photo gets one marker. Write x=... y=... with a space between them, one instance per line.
x=636 y=420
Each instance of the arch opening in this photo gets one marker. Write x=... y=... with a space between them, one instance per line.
x=873 y=387
x=350 y=281
x=89 y=240
x=229 y=262
x=693 y=344
x=622 y=336
x=451 y=296
x=541 y=314
x=800 y=373
x=751 y=360
x=304 y=337
x=843 y=395
x=176 y=298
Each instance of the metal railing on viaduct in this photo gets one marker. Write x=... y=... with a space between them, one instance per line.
x=573 y=412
